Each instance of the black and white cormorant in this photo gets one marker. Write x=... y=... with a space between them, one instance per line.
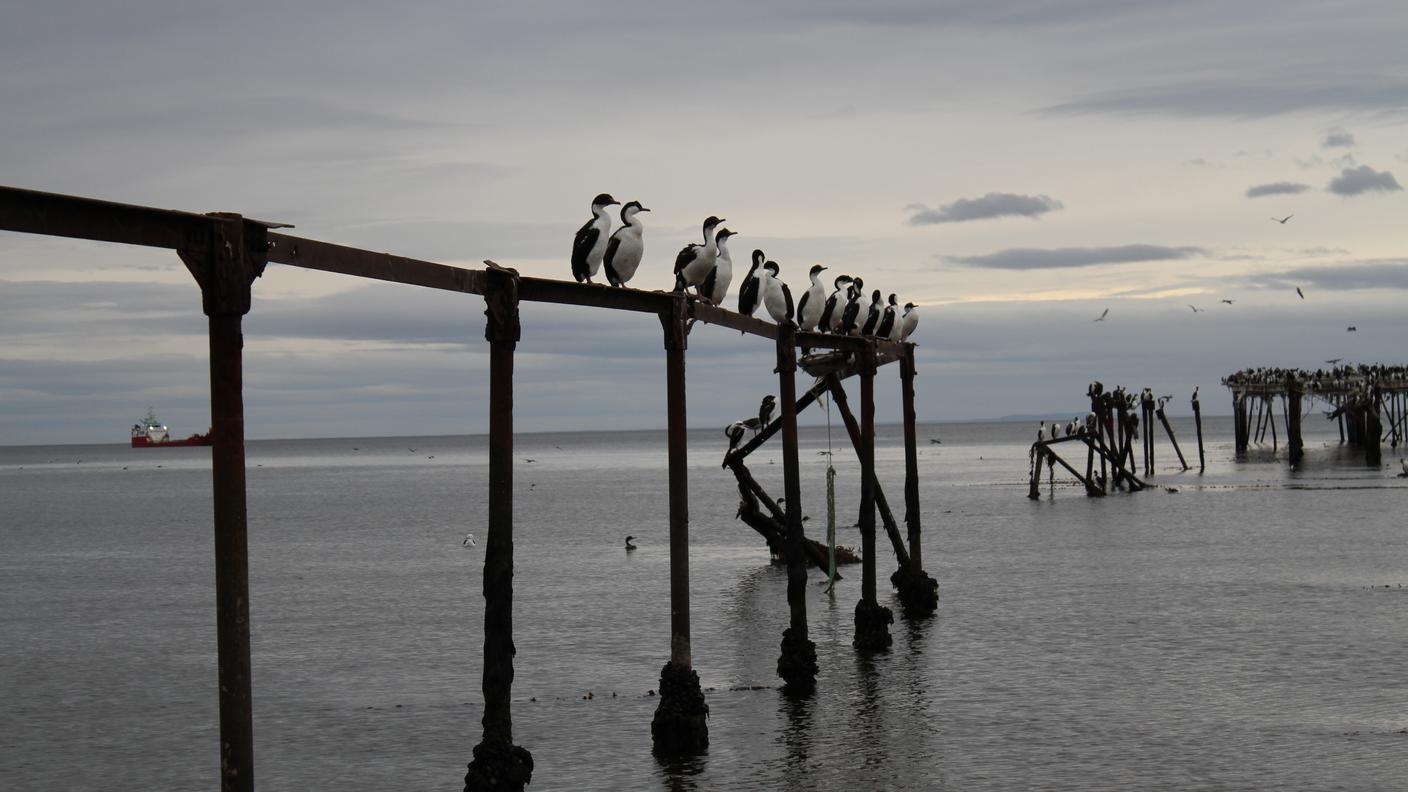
x=872 y=313
x=590 y=243
x=813 y=302
x=629 y=546
x=909 y=321
x=715 y=287
x=624 y=251
x=850 y=318
x=694 y=261
x=835 y=305
x=750 y=292
x=734 y=432
x=777 y=298
x=765 y=409
x=887 y=321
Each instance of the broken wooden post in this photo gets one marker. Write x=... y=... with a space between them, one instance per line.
x=498 y=763
x=1036 y=456
x=1373 y=428
x=1198 y=423
x=871 y=618
x=797 y=664
x=919 y=593
x=1163 y=419
x=225 y=269
x=1146 y=407
x=680 y=726
x=1239 y=420
x=1294 y=391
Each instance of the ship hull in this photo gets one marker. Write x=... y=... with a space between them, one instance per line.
x=193 y=440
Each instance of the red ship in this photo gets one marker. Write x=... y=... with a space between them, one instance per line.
x=151 y=433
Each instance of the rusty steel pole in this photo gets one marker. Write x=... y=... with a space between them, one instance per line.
x=498 y=763
x=797 y=664
x=225 y=267
x=680 y=726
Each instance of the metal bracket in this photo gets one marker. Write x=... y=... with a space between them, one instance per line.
x=226 y=268
x=676 y=324
x=501 y=301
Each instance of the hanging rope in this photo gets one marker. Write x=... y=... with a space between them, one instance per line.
x=830 y=506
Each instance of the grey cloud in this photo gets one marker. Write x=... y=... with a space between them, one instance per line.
x=1276 y=188
x=1337 y=137
x=1356 y=181
x=1233 y=98
x=982 y=208
x=1050 y=258
x=1370 y=274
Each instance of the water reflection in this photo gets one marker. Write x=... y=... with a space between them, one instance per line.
x=680 y=774
x=869 y=720
x=796 y=739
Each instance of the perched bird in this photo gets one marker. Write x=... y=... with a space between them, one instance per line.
x=624 y=251
x=590 y=243
x=734 y=431
x=909 y=321
x=777 y=298
x=813 y=303
x=1102 y=316
x=872 y=315
x=748 y=293
x=765 y=410
x=887 y=322
x=715 y=287
x=850 y=318
x=694 y=261
x=1282 y=220
x=1301 y=293
x=629 y=546
x=835 y=305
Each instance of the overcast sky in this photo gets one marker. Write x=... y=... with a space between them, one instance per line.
x=1015 y=168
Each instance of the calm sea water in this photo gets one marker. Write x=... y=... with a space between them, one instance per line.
x=1244 y=632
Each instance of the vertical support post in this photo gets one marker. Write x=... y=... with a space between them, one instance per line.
x=871 y=618
x=1168 y=429
x=498 y=763
x=225 y=266
x=797 y=663
x=1294 y=391
x=918 y=591
x=1198 y=423
x=1239 y=421
x=1271 y=419
x=1373 y=428
x=680 y=726
x=1339 y=416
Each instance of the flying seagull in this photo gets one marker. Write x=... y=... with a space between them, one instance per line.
x=1333 y=361
x=1229 y=302
x=1102 y=316
x=1282 y=220
x=1195 y=308
x=1351 y=329
x=1301 y=293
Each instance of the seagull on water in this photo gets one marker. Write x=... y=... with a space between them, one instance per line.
x=1102 y=316
x=468 y=540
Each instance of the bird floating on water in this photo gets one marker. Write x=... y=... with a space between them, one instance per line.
x=629 y=546
x=468 y=540
x=624 y=251
x=589 y=245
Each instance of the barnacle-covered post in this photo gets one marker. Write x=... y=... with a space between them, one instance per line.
x=680 y=726
x=797 y=663
x=498 y=763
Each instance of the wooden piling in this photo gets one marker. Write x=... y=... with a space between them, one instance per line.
x=1163 y=419
x=1198 y=424
x=1339 y=416
x=797 y=663
x=881 y=504
x=1296 y=446
x=1373 y=429
x=680 y=726
x=1146 y=406
x=1271 y=419
x=872 y=620
x=225 y=271
x=498 y=763
x=1239 y=421
x=919 y=593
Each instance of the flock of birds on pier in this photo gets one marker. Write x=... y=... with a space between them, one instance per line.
x=1335 y=378
x=706 y=267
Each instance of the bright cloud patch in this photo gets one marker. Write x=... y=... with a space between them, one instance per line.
x=983 y=208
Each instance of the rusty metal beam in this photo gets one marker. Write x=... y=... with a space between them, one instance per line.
x=325 y=256
x=596 y=296
x=713 y=314
x=35 y=212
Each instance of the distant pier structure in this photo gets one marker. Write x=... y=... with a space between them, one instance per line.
x=1369 y=402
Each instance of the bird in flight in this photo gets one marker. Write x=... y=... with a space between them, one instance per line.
x=1351 y=329
x=1333 y=361
x=1282 y=220
x=1229 y=302
x=1301 y=293
x=1102 y=316
x=1195 y=308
